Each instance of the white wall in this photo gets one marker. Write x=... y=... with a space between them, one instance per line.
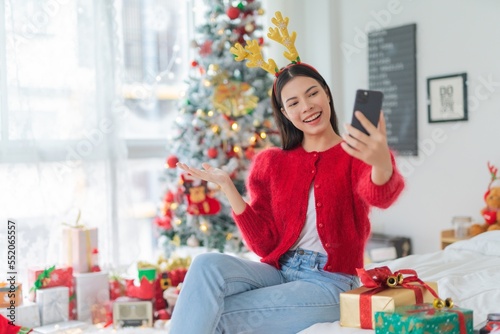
x=449 y=177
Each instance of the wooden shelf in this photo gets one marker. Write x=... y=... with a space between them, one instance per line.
x=448 y=237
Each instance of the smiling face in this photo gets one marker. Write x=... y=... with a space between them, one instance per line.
x=307 y=105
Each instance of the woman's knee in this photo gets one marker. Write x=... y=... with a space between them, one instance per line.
x=209 y=261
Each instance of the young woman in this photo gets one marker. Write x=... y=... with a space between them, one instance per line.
x=307 y=219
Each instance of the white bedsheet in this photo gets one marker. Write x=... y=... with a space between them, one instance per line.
x=468 y=271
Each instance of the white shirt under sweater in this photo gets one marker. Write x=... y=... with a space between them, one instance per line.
x=309 y=238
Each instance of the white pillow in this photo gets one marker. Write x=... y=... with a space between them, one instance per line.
x=487 y=243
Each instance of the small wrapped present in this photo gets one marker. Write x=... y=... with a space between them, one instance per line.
x=11 y=294
x=116 y=287
x=53 y=304
x=51 y=277
x=424 y=318
x=78 y=246
x=382 y=290
x=26 y=315
x=90 y=288
x=102 y=314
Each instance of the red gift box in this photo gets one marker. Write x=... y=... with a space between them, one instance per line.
x=116 y=288
x=41 y=278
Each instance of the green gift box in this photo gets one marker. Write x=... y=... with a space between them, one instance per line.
x=423 y=319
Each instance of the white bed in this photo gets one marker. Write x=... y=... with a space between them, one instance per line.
x=467 y=271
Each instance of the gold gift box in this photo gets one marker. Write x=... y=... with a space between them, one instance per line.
x=11 y=294
x=385 y=300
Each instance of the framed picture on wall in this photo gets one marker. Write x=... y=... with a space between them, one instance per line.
x=447 y=98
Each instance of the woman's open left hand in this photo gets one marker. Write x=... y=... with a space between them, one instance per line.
x=208 y=173
x=372 y=149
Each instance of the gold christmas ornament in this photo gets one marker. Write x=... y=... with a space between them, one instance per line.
x=249 y=27
x=234 y=98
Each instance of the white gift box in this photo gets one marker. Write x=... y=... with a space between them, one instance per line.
x=26 y=315
x=53 y=304
x=68 y=327
x=90 y=289
x=77 y=247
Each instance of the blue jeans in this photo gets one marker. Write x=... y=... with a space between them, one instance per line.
x=226 y=294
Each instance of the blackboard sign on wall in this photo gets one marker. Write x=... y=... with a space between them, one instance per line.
x=393 y=70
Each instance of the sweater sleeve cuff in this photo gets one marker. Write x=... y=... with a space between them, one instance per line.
x=246 y=222
x=381 y=196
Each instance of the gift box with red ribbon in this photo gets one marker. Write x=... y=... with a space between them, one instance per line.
x=424 y=318
x=51 y=277
x=382 y=290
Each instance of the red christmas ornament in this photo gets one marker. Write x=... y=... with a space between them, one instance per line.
x=261 y=40
x=162 y=315
x=194 y=63
x=172 y=161
x=164 y=222
x=212 y=153
x=206 y=48
x=233 y=12
x=95 y=261
x=249 y=153
x=240 y=31
x=169 y=197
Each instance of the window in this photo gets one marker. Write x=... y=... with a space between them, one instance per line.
x=89 y=89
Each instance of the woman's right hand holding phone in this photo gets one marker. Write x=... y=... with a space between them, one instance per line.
x=371 y=149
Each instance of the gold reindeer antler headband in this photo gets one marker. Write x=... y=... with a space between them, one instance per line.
x=253 y=53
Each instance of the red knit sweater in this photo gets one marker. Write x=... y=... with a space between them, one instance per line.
x=278 y=186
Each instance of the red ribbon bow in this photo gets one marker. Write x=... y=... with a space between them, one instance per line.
x=381 y=278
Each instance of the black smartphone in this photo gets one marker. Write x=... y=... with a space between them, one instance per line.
x=369 y=102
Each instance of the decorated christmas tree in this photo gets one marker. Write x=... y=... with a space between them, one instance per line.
x=224 y=119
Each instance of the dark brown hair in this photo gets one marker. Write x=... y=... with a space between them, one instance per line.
x=291 y=137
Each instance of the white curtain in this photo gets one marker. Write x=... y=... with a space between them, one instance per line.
x=60 y=151
x=71 y=137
